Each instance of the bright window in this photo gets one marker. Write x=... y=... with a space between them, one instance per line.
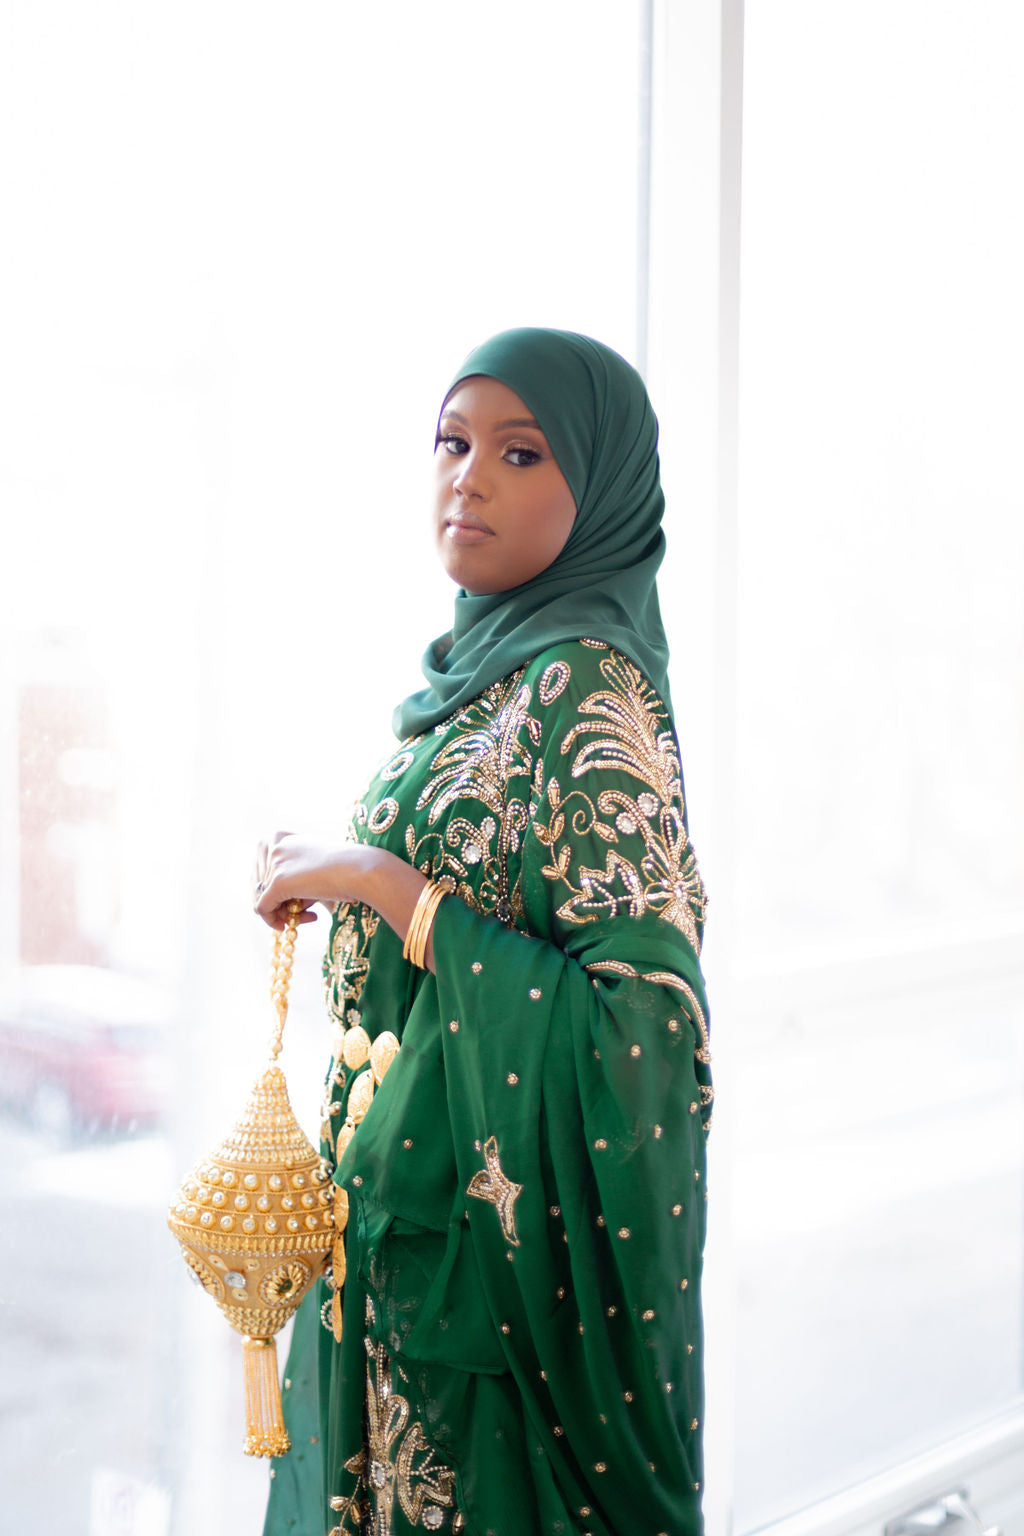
x=879 y=1135
x=245 y=249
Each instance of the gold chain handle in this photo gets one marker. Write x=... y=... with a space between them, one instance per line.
x=281 y=974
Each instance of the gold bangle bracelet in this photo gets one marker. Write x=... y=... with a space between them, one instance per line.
x=410 y=932
x=415 y=947
x=418 y=947
x=418 y=951
x=415 y=927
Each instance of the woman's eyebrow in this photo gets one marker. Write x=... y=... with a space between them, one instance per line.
x=499 y=426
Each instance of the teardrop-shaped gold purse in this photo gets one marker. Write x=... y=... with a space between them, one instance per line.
x=257 y=1220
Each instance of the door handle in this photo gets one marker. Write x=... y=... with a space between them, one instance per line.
x=942 y=1515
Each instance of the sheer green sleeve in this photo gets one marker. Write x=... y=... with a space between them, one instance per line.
x=578 y=1094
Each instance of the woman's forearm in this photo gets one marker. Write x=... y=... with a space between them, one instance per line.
x=393 y=888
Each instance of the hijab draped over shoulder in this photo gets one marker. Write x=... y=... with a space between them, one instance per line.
x=593 y=409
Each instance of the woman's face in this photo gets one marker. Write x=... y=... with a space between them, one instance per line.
x=503 y=508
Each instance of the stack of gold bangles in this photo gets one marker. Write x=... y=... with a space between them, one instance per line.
x=415 y=946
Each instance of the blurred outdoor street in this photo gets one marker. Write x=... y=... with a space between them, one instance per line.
x=95 y=1305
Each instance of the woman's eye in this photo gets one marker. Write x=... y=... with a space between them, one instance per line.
x=452 y=443
x=522 y=457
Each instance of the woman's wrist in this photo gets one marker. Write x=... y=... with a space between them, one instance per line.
x=377 y=870
x=393 y=888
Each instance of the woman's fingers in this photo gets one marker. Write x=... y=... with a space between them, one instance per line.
x=293 y=868
x=276 y=912
x=273 y=903
x=259 y=878
x=268 y=870
x=279 y=916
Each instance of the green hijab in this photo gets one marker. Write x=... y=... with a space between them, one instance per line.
x=595 y=413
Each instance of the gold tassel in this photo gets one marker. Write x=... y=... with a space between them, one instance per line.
x=266 y=1434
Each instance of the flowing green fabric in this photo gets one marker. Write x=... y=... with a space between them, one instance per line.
x=521 y=1352
x=522 y=1337
x=595 y=413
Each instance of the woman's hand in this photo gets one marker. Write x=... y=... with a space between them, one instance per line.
x=293 y=868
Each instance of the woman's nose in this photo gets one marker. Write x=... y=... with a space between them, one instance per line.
x=470 y=480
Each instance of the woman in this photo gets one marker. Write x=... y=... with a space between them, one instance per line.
x=520 y=1338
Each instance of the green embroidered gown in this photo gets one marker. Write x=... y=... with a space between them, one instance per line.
x=521 y=1345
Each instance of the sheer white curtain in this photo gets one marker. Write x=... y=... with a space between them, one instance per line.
x=246 y=248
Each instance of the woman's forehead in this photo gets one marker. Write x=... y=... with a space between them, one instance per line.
x=489 y=397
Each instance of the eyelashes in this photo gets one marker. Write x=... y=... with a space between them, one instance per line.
x=519 y=455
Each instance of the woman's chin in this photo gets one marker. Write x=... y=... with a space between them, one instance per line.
x=468 y=575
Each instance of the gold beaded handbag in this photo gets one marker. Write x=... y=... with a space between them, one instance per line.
x=257 y=1220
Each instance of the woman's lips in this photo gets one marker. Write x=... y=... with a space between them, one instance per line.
x=467 y=528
